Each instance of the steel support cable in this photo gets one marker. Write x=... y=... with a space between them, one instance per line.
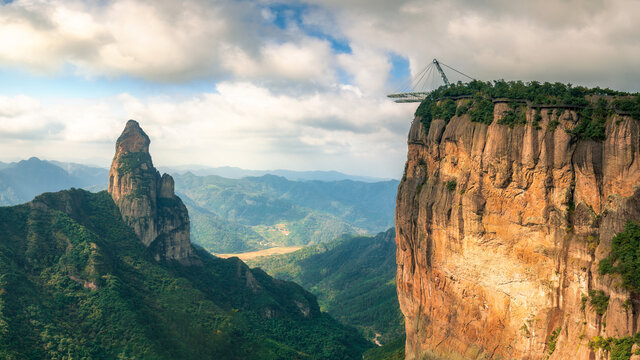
x=413 y=81
x=434 y=78
x=408 y=86
x=428 y=81
x=425 y=81
x=419 y=77
x=459 y=72
x=419 y=85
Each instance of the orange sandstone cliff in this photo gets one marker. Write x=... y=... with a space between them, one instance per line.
x=147 y=201
x=500 y=231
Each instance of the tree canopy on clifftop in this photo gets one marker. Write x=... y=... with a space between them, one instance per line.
x=594 y=106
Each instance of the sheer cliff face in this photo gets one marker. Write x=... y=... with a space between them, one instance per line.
x=147 y=201
x=499 y=234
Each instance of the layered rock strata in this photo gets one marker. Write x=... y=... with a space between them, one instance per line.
x=147 y=201
x=500 y=230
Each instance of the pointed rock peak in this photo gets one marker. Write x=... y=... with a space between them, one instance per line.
x=133 y=139
x=147 y=201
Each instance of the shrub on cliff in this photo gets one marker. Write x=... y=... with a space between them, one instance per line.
x=464 y=108
x=592 y=122
x=429 y=110
x=624 y=258
x=553 y=340
x=629 y=105
x=517 y=115
x=599 y=301
x=482 y=111
x=133 y=160
x=618 y=348
x=451 y=185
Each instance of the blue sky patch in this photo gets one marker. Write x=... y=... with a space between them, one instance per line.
x=285 y=15
x=400 y=73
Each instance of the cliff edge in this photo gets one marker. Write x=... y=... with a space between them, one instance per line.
x=501 y=225
x=147 y=201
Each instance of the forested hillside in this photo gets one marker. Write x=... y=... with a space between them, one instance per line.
x=77 y=283
x=353 y=278
x=235 y=215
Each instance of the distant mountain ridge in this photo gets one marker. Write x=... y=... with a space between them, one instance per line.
x=294 y=175
x=234 y=215
x=20 y=182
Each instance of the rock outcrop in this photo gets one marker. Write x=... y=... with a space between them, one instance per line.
x=147 y=201
x=500 y=230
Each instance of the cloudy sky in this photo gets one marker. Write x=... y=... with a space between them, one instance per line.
x=277 y=84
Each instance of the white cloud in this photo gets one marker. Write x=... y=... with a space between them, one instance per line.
x=167 y=41
x=369 y=68
x=306 y=60
x=242 y=124
x=586 y=42
x=592 y=42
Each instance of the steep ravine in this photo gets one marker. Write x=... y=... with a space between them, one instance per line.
x=500 y=230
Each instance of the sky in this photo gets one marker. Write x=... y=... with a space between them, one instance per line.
x=266 y=84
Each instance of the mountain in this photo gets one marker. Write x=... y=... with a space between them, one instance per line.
x=111 y=275
x=285 y=212
x=238 y=173
x=76 y=281
x=353 y=278
x=147 y=201
x=22 y=181
x=88 y=175
x=234 y=215
x=219 y=235
x=516 y=223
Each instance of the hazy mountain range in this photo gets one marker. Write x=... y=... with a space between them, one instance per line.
x=22 y=181
x=267 y=211
x=235 y=215
x=238 y=173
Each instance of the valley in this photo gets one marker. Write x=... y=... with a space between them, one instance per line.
x=235 y=215
x=255 y=213
x=278 y=250
x=353 y=278
x=267 y=218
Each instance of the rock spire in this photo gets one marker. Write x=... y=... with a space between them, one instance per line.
x=147 y=201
